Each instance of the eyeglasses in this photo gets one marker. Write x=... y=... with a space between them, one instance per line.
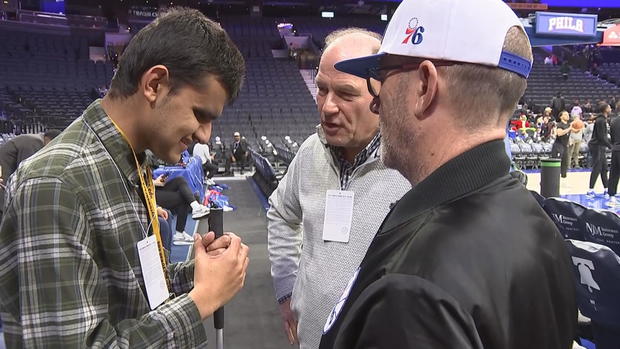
x=376 y=74
x=382 y=73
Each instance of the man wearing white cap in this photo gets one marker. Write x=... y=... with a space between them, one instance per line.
x=445 y=269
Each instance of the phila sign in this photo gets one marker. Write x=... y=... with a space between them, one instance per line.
x=565 y=24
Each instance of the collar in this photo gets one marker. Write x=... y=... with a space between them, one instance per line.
x=370 y=152
x=113 y=141
x=456 y=178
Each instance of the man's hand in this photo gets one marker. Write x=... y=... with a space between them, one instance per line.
x=162 y=213
x=290 y=322
x=218 y=278
x=159 y=181
x=216 y=246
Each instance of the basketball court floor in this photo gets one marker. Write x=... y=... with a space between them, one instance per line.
x=574 y=188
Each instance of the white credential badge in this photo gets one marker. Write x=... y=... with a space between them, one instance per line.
x=338 y=215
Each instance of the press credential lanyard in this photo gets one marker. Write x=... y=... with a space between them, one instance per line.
x=149 y=196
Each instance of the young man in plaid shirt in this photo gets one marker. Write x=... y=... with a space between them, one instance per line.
x=77 y=212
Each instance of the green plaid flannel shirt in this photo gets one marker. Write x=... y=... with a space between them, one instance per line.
x=70 y=273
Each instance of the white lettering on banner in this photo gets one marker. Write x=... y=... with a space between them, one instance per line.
x=585 y=268
x=600 y=231
x=564 y=220
x=565 y=23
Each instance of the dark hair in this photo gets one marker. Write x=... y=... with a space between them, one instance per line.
x=602 y=107
x=187 y=43
x=51 y=133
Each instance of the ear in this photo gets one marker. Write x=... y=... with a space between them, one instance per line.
x=374 y=104
x=155 y=83
x=425 y=89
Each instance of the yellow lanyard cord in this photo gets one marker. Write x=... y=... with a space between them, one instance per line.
x=148 y=189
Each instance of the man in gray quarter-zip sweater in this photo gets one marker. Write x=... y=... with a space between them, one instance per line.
x=311 y=261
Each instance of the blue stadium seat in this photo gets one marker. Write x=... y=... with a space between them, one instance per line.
x=597 y=279
x=567 y=216
x=602 y=227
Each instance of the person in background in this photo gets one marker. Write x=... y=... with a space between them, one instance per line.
x=565 y=70
x=239 y=154
x=314 y=245
x=546 y=129
x=18 y=149
x=81 y=257
x=176 y=195
x=165 y=231
x=209 y=167
x=558 y=104
x=589 y=127
x=597 y=147
x=614 y=175
x=559 y=150
x=576 y=109
x=444 y=270
x=574 y=142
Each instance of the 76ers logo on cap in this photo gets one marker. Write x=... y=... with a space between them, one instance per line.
x=414 y=32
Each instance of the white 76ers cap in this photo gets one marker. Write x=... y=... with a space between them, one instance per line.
x=468 y=31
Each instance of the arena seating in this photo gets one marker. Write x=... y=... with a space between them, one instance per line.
x=611 y=71
x=319 y=28
x=546 y=81
x=274 y=102
x=46 y=78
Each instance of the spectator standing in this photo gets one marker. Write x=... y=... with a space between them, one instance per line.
x=597 y=146
x=315 y=246
x=574 y=142
x=239 y=154
x=559 y=149
x=558 y=104
x=564 y=70
x=614 y=177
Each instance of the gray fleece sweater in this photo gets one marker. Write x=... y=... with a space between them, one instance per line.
x=316 y=271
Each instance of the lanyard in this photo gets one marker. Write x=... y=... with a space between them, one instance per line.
x=148 y=189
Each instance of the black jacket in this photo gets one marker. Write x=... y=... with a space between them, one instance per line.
x=241 y=150
x=614 y=130
x=599 y=134
x=466 y=259
x=13 y=152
